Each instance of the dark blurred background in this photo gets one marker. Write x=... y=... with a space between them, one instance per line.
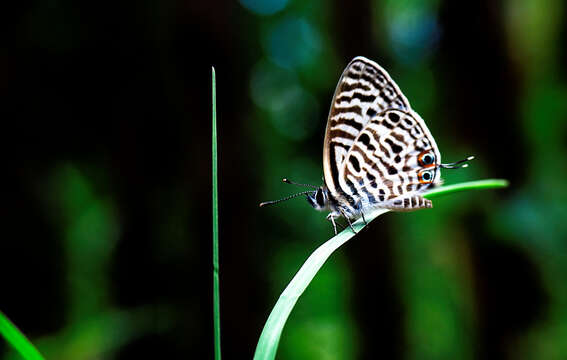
x=106 y=244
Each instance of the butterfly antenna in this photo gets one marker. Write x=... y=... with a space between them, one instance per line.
x=288 y=181
x=457 y=164
x=265 y=203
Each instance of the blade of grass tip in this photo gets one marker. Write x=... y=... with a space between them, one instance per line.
x=469 y=185
x=269 y=338
x=18 y=340
x=216 y=296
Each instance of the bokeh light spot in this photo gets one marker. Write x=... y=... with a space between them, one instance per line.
x=270 y=85
x=292 y=42
x=299 y=117
x=413 y=30
x=294 y=111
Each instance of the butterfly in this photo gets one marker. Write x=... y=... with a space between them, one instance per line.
x=377 y=152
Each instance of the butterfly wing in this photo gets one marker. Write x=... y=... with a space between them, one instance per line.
x=363 y=91
x=393 y=159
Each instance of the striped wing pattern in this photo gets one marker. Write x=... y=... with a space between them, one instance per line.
x=382 y=167
x=363 y=91
x=372 y=143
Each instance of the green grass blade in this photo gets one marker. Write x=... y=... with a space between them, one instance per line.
x=470 y=185
x=18 y=340
x=216 y=296
x=270 y=337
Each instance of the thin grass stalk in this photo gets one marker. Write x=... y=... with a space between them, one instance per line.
x=18 y=340
x=216 y=296
x=269 y=338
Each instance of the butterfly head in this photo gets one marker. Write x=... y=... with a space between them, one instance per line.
x=319 y=198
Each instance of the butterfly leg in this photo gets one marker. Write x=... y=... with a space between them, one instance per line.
x=331 y=218
x=363 y=219
x=348 y=220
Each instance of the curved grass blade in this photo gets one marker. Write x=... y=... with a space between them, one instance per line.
x=18 y=340
x=268 y=343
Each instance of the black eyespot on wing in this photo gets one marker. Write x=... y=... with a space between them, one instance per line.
x=371 y=112
x=392 y=170
x=365 y=139
x=426 y=176
x=394 y=117
x=355 y=164
x=386 y=124
x=426 y=158
x=364 y=98
x=397 y=159
x=395 y=148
